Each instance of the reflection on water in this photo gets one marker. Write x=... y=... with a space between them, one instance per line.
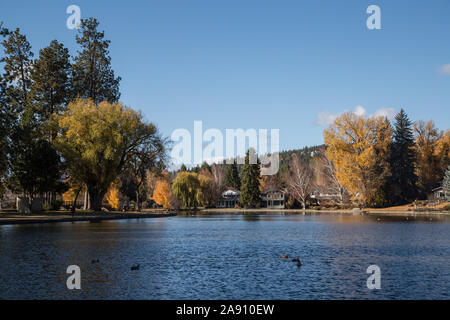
x=229 y=257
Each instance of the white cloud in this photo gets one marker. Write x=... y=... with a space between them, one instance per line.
x=445 y=69
x=385 y=112
x=325 y=118
x=360 y=111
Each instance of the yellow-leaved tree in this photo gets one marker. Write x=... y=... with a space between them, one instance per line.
x=161 y=193
x=359 y=149
x=98 y=142
x=433 y=154
x=112 y=196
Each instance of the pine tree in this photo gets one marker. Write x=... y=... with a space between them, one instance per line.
x=446 y=183
x=183 y=168
x=403 y=182
x=6 y=120
x=250 y=194
x=93 y=76
x=51 y=88
x=205 y=166
x=232 y=176
x=18 y=62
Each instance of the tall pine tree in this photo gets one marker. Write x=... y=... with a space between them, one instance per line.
x=18 y=61
x=34 y=166
x=403 y=182
x=51 y=88
x=250 y=193
x=6 y=120
x=93 y=76
x=232 y=176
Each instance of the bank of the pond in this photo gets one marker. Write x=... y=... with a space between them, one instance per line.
x=297 y=211
x=54 y=217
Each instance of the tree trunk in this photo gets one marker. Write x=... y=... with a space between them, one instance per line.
x=137 y=201
x=304 y=205
x=86 y=205
x=75 y=201
x=96 y=198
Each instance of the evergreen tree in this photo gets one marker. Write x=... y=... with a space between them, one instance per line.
x=36 y=167
x=232 y=176
x=205 y=166
x=51 y=81
x=250 y=194
x=403 y=181
x=92 y=74
x=6 y=120
x=183 y=168
x=18 y=62
x=446 y=183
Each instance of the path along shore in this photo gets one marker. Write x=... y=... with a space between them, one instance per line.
x=9 y=219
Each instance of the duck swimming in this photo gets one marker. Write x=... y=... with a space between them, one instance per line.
x=296 y=259
x=136 y=267
x=284 y=256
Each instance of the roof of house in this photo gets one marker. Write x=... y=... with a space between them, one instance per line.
x=230 y=192
x=272 y=190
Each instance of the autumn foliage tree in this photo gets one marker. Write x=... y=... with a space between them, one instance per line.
x=98 y=141
x=162 y=194
x=358 y=147
x=432 y=147
x=186 y=187
x=112 y=196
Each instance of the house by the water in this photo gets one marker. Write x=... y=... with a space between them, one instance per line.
x=229 y=199
x=273 y=199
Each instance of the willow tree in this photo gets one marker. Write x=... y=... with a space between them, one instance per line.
x=359 y=149
x=187 y=188
x=98 y=142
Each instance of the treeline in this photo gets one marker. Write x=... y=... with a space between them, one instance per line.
x=62 y=126
x=364 y=161
x=202 y=186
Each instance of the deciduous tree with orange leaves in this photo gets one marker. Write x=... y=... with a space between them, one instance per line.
x=358 y=147
x=162 y=194
x=433 y=154
x=112 y=196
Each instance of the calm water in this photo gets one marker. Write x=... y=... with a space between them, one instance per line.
x=229 y=257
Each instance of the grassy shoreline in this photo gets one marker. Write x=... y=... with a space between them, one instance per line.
x=11 y=217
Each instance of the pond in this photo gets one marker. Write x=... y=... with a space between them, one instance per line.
x=229 y=256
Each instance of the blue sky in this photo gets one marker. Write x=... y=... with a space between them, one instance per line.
x=288 y=65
